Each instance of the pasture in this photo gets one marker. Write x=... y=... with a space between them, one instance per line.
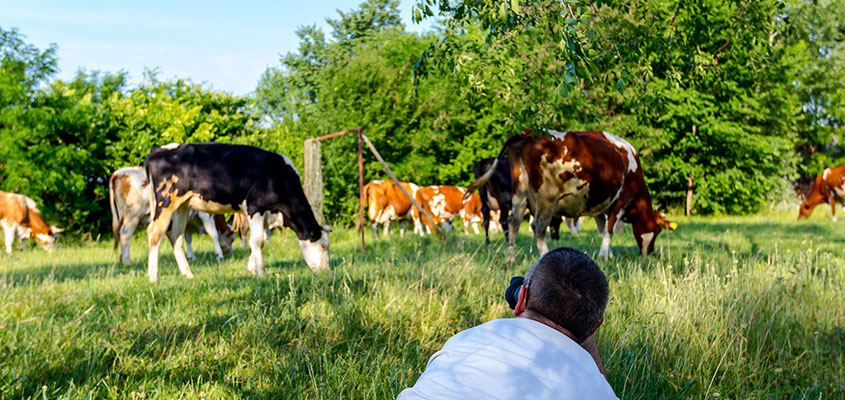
x=728 y=307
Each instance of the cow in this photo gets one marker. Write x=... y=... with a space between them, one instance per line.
x=442 y=203
x=225 y=178
x=20 y=217
x=129 y=200
x=386 y=203
x=496 y=195
x=828 y=187
x=579 y=173
x=471 y=213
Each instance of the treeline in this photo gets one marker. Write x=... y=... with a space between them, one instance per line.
x=731 y=100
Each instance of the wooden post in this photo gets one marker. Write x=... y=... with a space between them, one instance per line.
x=408 y=195
x=315 y=142
x=361 y=186
x=688 y=207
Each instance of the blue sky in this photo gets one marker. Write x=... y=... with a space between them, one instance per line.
x=224 y=44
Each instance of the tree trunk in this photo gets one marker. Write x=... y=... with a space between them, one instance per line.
x=689 y=197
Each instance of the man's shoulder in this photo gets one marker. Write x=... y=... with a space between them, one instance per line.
x=512 y=330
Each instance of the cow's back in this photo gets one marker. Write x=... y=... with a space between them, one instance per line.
x=12 y=207
x=576 y=173
x=223 y=174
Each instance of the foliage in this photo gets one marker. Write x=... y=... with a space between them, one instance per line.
x=817 y=29
x=363 y=79
x=60 y=141
x=707 y=314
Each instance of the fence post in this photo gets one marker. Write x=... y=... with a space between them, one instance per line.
x=314 y=178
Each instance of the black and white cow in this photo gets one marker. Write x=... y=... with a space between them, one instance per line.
x=496 y=194
x=225 y=178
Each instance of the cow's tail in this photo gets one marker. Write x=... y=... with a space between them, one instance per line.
x=116 y=219
x=492 y=170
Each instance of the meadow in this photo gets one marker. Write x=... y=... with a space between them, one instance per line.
x=728 y=307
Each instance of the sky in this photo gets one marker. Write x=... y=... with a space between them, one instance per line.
x=226 y=45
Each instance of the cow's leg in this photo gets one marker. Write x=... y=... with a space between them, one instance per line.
x=155 y=232
x=9 y=231
x=485 y=222
x=374 y=228
x=176 y=236
x=554 y=227
x=540 y=225
x=386 y=228
x=189 y=246
x=211 y=229
x=257 y=236
x=571 y=224
x=833 y=207
x=127 y=229
x=475 y=227
x=519 y=202
x=402 y=229
x=605 y=231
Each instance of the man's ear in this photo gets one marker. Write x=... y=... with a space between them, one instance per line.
x=521 y=302
x=601 y=321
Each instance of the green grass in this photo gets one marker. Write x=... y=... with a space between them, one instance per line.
x=728 y=307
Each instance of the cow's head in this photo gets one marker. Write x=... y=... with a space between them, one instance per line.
x=809 y=204
x=316 y=253
x=814 y=197
x=48 y=239
x=647 y=229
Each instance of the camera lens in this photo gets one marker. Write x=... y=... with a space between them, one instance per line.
x=512 y=292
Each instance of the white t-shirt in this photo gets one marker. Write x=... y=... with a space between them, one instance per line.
x=513 y=358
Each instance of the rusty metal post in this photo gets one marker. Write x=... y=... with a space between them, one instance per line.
x=361 y=186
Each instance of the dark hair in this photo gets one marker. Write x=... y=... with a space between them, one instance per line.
x=568 y=287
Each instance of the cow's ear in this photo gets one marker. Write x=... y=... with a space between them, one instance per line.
x=54 y=230
x=326 y=228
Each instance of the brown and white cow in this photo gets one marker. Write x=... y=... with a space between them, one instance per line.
x=442 y=203
x=828 y=188
x=386 y=203
x=471 y=213
x=19 y=217
x=579 y=173
x=129 y=199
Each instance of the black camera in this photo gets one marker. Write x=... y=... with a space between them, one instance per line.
x=512 y=292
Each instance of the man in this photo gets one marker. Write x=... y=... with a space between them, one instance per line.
x=547 y=352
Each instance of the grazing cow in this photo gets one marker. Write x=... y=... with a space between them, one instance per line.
x=225 y=178
x=20 y=217
x=386 y=203
x=441 y=202
x=496 y=194
x=828 y=188
x=129 y=199
x=471 y=213
x=579 y=173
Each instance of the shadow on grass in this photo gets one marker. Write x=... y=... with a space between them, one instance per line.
x=64 y=272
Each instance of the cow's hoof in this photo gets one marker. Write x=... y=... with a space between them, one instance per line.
x=153 y=279
x=188 y=275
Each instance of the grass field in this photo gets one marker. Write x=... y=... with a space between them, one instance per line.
x=728 y=307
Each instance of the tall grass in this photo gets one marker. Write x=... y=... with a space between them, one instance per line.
x=729 y=307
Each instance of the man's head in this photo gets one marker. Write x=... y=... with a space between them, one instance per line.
x=567 y=287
